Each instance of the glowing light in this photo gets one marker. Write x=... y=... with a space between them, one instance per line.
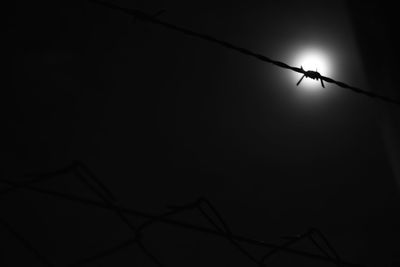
x=313 y=59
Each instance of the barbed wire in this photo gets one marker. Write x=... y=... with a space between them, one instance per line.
x=137 y=14
x=219 y=226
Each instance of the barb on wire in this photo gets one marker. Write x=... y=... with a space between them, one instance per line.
x=172 y=222
x=315 y=75
x=143 y=16
x=28 y=245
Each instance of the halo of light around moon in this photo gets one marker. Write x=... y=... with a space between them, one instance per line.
x=314 y=59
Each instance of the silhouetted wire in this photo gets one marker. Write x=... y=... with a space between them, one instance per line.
x=327 y=243
x=74 y=167
x=121 y=215
x=292 y=241
x=307 y=235
x=28 y=245
x=215 y=212
x=96 y=180
x=180 y=224
x=225 y=229
x=110 y=200
x=316 y=244
x=80 y=170
x=174 y=210
x=38 y=178
x=148 y=253
x=143 y=16
x=132 y=241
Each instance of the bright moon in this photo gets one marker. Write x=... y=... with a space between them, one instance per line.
x=313 y=59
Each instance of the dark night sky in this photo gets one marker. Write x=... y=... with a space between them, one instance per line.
x=163 y=118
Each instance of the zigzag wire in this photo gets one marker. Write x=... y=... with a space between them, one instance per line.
x=171 y=222
x=80 y=170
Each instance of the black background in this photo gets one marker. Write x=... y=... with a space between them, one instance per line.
x=163 y=118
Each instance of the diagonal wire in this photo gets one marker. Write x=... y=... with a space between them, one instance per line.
x=39 y=177
x=225 y=229
x=197 y=205
x=314 y=241
x=110 y=200
x=176 y=223
x=327 y=243
x=216 y=213
x=80 y=170
x=28 y=245
x=283 y=246
x=308 y=235
x=169 y=221
x=143 y=16
x=108 y=194
x=108 y=197
x=132 y=241
x=174 y=210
